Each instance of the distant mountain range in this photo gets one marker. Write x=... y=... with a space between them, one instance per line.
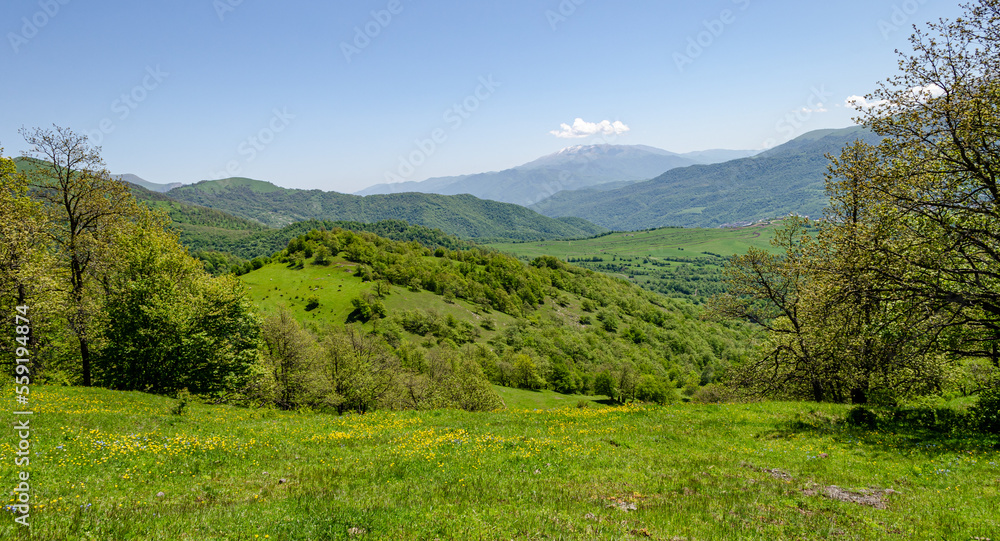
x=462 y=215
x=788 y=178
x=572 y=168
x=151 y=186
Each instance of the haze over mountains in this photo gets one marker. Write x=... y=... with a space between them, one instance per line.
x=572 y=168
x=788 y=178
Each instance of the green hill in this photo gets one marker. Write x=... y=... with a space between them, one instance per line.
x=570 y=324
x=786 y=179
x=461 y=215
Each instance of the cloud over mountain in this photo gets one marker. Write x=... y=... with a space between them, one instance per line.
x=582 y=128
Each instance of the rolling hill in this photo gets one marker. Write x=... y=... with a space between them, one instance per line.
x=569 y=169
x=572 y=322
x=786 y=179
x=462 y=215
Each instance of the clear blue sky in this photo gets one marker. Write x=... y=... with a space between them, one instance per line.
x=288 y=92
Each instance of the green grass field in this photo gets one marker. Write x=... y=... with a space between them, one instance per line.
x=677 y=262
x=116 y=465
x=657 y=243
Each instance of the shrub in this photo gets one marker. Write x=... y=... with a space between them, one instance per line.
x=710 y=394
x=862 y=417
x=986 y=413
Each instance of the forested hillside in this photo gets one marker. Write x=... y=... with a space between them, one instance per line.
x=786 y=179
x=547 y=324
x=461 y=215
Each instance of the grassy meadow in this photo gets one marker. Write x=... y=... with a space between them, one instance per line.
x=677 y=262
x=121 y=465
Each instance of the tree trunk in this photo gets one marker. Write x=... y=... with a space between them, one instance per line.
x=818 y=393
x=85 y=357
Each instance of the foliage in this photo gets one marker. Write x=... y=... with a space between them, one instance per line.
x=461 y=215
x=986 y=412
x=534 y=339
x=168 y=324
x=676 y=262
x=900 y=282
x=84 y=206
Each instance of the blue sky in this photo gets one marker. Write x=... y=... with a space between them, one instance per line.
x=342 y=95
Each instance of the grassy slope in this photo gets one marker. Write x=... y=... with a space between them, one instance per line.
x=691 y=471
x=335 y=285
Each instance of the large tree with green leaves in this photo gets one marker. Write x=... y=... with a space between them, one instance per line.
x=168 y=324
x=931 y=191
x=84 y=205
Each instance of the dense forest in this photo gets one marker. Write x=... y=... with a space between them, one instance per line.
x=462 y=215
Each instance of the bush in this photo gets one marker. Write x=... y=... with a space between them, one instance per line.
x=986 y=413
x=711 y=394
x=862 y=417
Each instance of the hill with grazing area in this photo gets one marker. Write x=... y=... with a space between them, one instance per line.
x=544 y=324
x=120 y=465
x=462 y=215
x=786 y=179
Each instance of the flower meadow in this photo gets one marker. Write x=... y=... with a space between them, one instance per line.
x=120 y=465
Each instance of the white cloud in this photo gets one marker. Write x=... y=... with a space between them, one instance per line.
x=920 y=94
x=581 y=129
x=819 y=108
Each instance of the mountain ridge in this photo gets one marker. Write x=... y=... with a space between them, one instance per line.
x=575 y=167
x=785 y=179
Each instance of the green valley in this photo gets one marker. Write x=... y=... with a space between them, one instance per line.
x=677 y=262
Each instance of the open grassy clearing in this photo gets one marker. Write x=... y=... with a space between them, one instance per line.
x=677 y=262
x=748 y=471
x=659 y=243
